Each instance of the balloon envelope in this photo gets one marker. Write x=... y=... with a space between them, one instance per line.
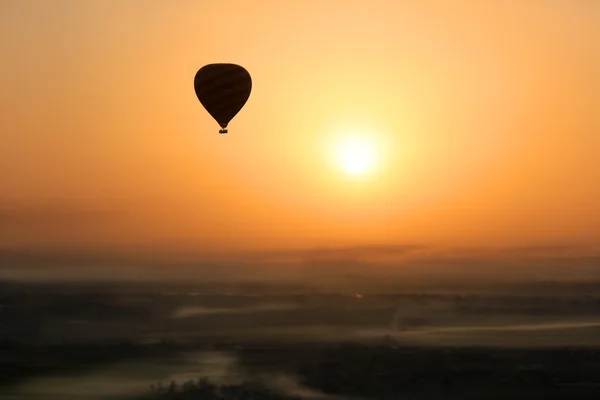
x=223 y=89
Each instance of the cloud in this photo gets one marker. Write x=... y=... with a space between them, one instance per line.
x=330 y=265
x=52 y=216
x=52 y=258
x=361 y=251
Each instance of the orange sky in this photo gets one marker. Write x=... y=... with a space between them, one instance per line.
x=488 y=113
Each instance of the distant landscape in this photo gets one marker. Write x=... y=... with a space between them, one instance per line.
x=125 y=340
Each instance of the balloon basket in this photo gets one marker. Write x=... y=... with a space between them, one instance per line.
x=222 y=131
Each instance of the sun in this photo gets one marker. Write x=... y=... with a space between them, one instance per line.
x=356 y=155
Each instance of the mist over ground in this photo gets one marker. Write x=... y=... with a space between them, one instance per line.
x=297 y=341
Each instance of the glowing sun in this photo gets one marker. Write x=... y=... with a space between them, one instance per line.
x=356 y=155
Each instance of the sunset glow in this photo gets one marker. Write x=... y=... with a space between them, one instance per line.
x=356 y=155
x=369 y=122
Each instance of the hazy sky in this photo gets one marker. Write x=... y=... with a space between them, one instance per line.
x=486 y=115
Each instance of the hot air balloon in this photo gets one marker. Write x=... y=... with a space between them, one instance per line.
x=223 y=89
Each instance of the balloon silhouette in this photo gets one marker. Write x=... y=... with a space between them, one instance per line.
x=223 y=89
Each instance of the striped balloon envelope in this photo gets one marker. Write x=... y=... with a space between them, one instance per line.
x=223 y=89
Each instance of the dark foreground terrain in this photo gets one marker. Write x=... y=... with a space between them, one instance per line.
x=253 y=342
x=305 y=370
